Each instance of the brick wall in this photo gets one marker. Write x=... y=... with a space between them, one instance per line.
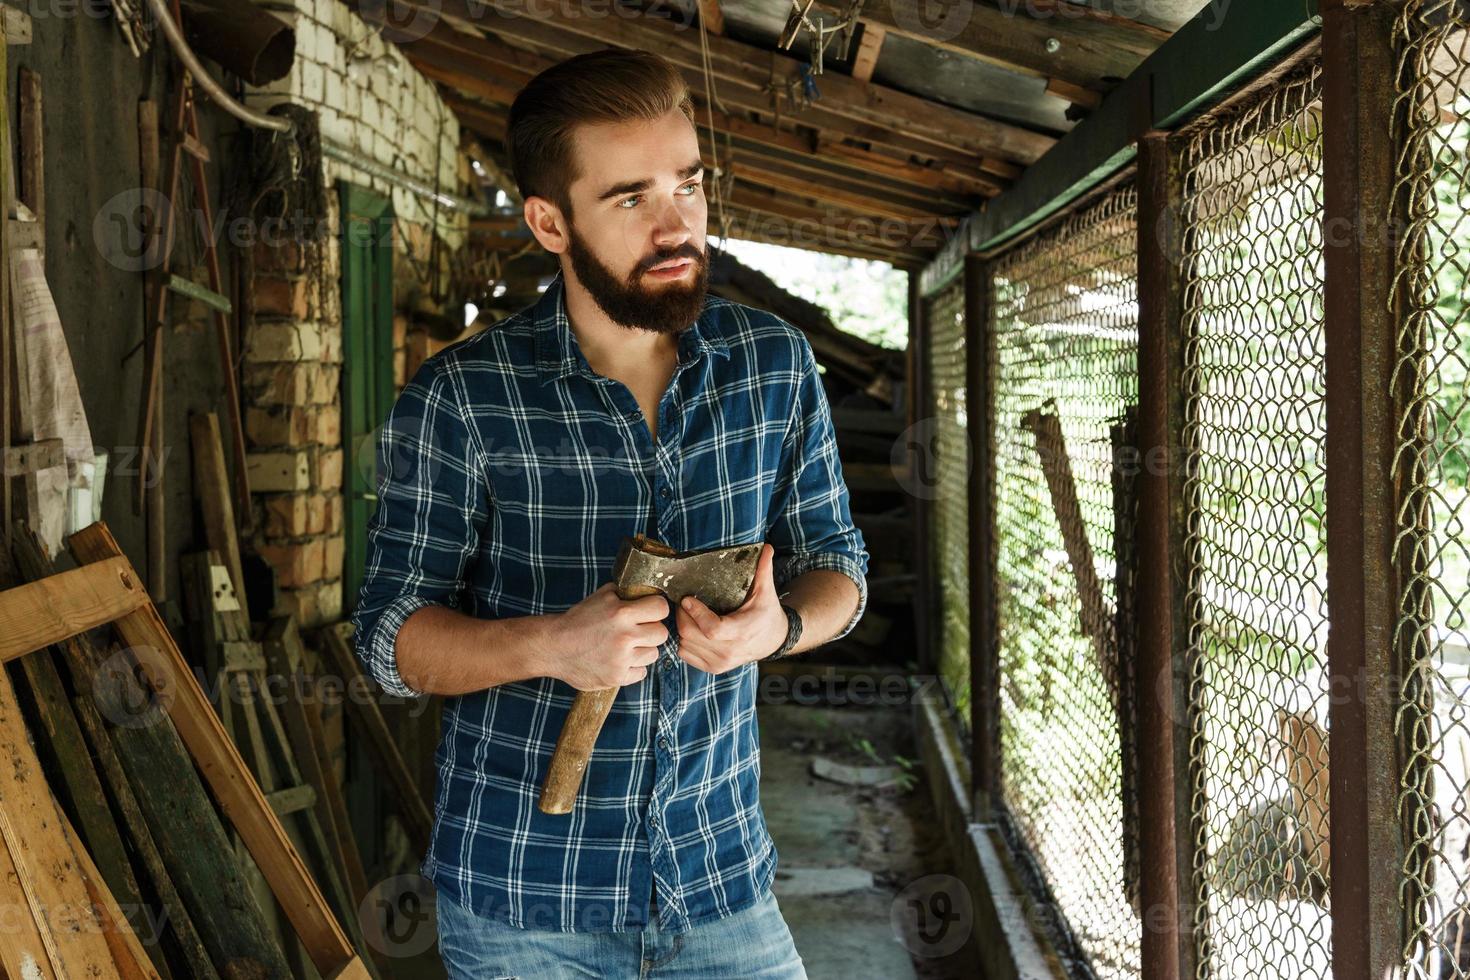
x=369 y=98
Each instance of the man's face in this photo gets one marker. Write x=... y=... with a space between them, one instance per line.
x=636 y=235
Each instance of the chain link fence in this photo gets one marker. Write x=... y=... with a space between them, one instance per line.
x=1432 y=552
x=1064 y=324
x=946 y=315
x=1253 y=790
x=1255 y=545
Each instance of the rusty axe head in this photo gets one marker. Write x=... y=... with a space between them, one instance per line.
x=721 y=578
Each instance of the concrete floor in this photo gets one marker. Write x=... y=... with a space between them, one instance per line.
x=846 y=854
x=833 y=834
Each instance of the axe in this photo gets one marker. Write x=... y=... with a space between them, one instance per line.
x=721 y=578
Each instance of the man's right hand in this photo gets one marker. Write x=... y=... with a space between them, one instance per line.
x=604 y=641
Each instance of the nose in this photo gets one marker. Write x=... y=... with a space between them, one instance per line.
x=673 y=227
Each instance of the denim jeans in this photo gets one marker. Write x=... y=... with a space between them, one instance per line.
x=752 y=944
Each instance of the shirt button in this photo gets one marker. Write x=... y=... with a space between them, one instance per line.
x=665 y=492
x=668 y=663
x=663 y=743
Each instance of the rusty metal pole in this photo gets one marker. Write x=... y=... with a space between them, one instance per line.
x=984 y=635
x=921 y=466
x=1358 y=89
x=1165 y=855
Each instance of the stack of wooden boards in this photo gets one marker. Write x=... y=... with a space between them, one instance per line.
x=135 y=743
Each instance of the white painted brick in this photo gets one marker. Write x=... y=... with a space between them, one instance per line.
x=305 y=39
x=333 y=94
x=311 y=81
x=372 y=111
x=336 y=126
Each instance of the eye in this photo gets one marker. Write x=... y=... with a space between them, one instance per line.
x=628 y=200
x=691 y=188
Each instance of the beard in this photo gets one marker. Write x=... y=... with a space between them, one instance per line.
x=666 y=309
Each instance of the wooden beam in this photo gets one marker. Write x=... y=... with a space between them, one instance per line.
x=711 y=16
x=1075 y=94
x=238 y=795
x=466 y=55
x=417 y=819
x=55 y=896
x=869 y=45
x=817 y=151
x=1053 y=42
x=39 y=614
x=752 y=69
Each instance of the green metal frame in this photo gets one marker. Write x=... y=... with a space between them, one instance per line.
x=367 y=362
x=1219 y=50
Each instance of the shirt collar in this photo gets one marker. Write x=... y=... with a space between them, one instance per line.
x=558 y=353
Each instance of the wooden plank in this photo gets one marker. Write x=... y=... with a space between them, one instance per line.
x=711 y=16
x=154 y=494
x=179 y=920
x=1075 y=94
x=858 y=108
x=44 y=863
x=284 y=652
x=22 y=949
x=75 y=774
x=292 y=799
x=39 y=614
x=336 y=643
x=1085 y=51
x=32 y=564
x=869 y=46
x=32 y=185
x=17 y=25
x=127 y=952
x=238 y=795
x=33 y=456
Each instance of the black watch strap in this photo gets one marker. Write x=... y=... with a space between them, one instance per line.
x=793 y=633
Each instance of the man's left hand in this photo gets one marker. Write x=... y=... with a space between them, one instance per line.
x=716 y=643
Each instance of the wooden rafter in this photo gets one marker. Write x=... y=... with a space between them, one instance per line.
x=746 y=73
x=1088 y=50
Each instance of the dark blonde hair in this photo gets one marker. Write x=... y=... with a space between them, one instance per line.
x=612 y=85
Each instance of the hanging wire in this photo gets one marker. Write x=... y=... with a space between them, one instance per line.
x=712 y=101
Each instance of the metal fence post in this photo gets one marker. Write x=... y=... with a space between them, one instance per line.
x=1163 y=737
x=921 y=463
x=984 y=635
x=1358 y=74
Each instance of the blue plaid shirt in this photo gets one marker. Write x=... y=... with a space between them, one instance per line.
x=508 y=474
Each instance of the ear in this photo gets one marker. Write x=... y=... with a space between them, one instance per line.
x=546 y=223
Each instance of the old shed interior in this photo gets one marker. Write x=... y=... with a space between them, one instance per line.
x=1166 y=662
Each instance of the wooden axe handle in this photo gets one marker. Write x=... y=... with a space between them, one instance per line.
x=574 y=749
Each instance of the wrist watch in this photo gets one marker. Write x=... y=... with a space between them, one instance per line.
x=793 y=633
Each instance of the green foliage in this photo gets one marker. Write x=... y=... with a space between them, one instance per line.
x=865 y=298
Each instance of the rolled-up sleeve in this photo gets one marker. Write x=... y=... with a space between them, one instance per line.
x=812 y=526
x=432 y=506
